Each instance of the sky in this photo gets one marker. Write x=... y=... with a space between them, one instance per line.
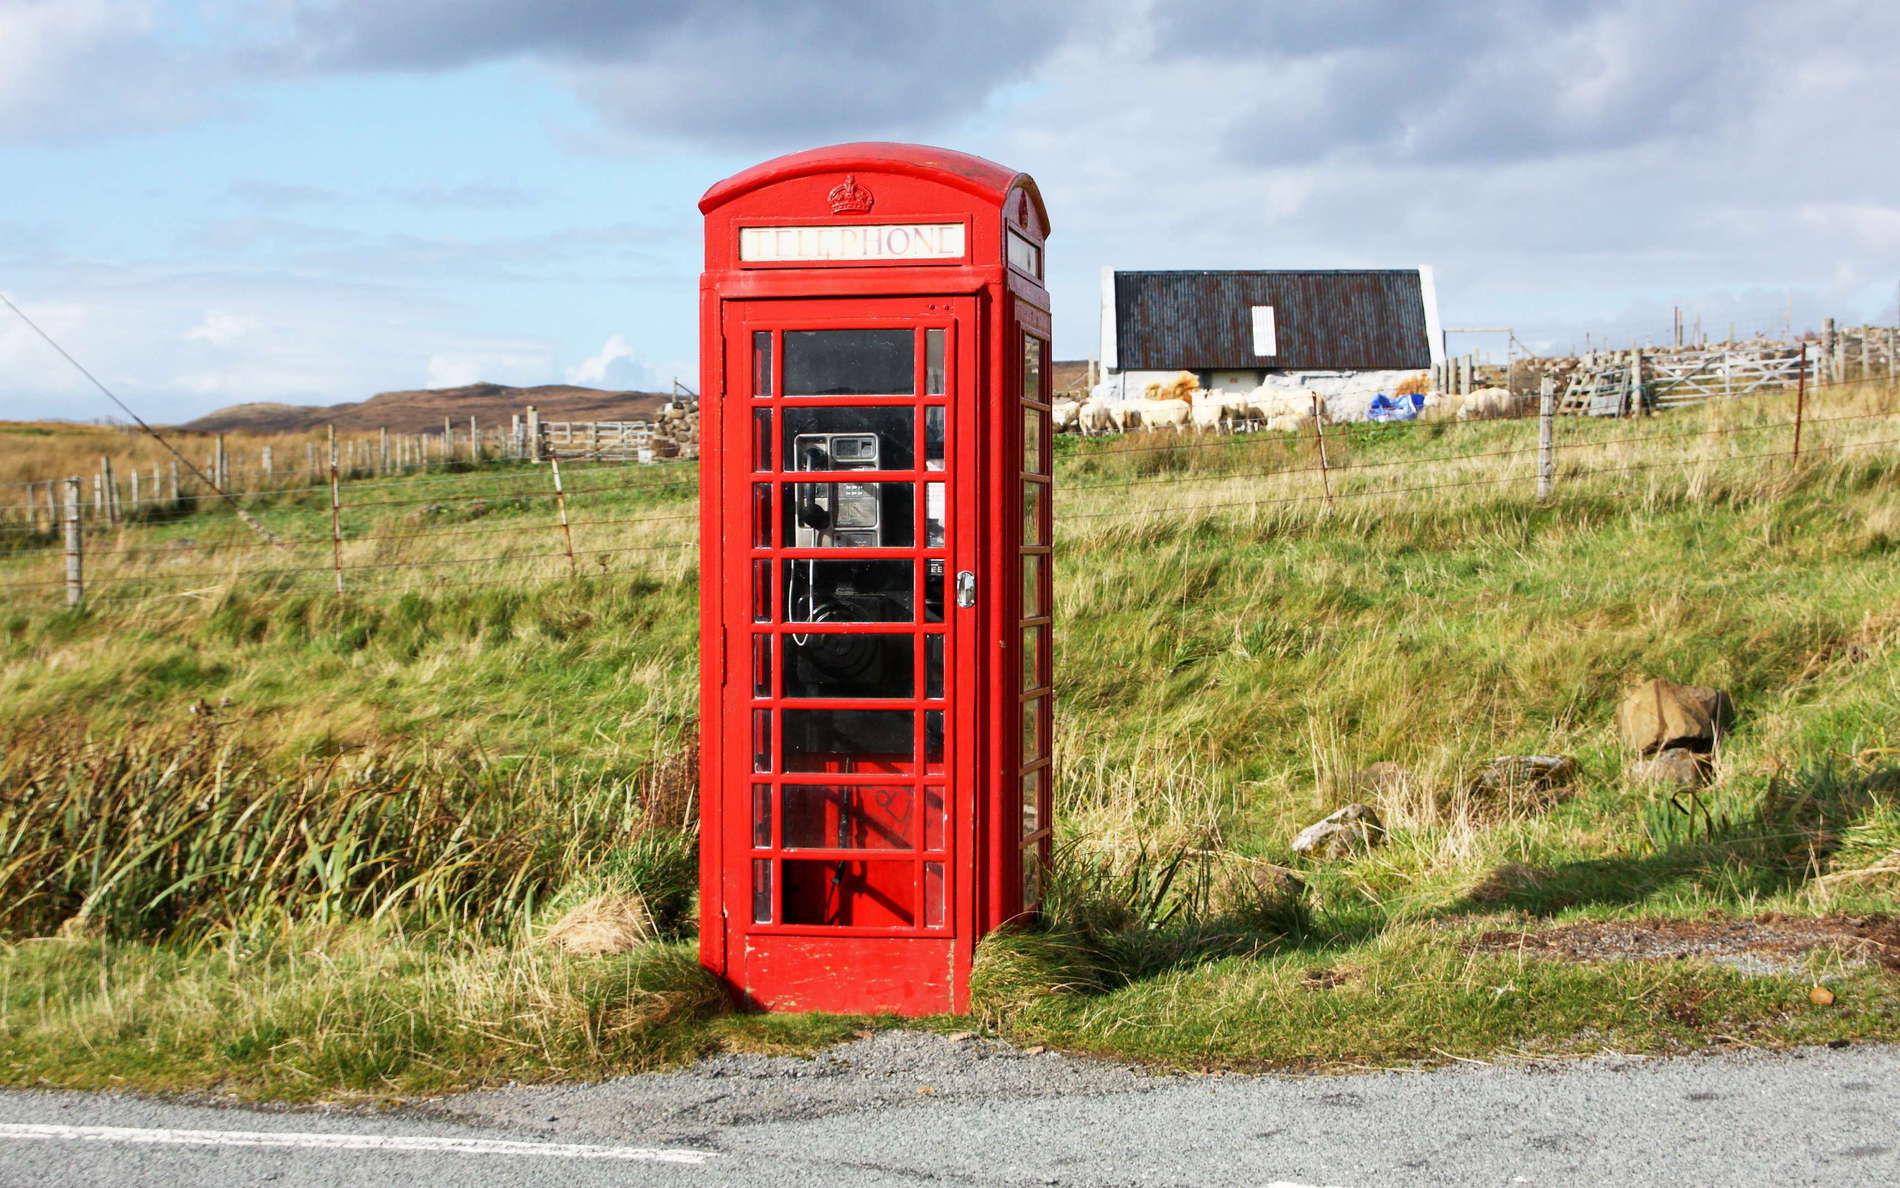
x=210 y=202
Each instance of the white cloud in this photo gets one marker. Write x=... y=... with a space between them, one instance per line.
x=84 y=67
x=517 y=365
x=221 y=329
x=616 y=365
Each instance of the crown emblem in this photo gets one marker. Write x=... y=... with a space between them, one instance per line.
x=848 y=197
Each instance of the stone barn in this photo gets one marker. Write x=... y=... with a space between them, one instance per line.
x=1348 y=334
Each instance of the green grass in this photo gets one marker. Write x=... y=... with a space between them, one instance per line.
x=231 y=788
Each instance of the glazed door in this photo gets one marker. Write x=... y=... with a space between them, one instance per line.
x=848 y=809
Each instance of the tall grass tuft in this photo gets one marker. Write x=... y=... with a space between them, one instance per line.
x=179 y=830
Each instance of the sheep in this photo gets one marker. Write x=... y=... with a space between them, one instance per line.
x=1486 y=404
x=1288 y=409
x=1094 y=416
x=1065 y=416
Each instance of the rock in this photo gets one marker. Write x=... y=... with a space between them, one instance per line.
x=1525 y=773
x=1380 y=779
x=604 y=924
x=1678 y=766
x=1657 y=715
x=1348 y=831
x=1821 y=996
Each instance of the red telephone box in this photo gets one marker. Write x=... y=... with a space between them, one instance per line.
x=874 y=567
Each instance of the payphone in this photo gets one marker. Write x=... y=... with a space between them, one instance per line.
x=874 y=574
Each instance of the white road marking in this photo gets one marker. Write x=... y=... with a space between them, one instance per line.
x=344 y=1142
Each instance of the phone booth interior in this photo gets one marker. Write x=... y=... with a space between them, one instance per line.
x=874 y=574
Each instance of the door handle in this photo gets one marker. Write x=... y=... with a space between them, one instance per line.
x=966 y=588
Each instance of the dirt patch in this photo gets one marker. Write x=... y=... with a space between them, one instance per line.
x=1766 y=944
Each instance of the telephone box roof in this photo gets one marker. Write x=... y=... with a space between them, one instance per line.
x=973 y=175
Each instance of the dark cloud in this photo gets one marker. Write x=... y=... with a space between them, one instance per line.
x=741 y=73
x=1489 y=83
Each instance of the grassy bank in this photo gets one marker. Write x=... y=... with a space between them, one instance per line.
x=227 y=787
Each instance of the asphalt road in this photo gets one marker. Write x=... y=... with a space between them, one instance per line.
x=902 y=1108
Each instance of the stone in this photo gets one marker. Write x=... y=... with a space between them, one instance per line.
x=1677 y=766
x=1348 y=831
x=1525 y=773
x=1657 y=715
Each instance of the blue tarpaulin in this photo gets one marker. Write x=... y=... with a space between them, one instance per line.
x=1395 y=408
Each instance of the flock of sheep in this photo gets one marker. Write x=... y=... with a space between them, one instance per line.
x=1182 y=404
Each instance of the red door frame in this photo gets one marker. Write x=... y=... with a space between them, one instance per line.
x=796 y=966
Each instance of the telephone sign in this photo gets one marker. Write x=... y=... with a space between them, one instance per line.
x=874 y=566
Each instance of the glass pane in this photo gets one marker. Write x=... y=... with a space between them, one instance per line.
x=848 y=515
x=933 y=818
x=761 y=666
x=933 y=362
x=1032 y=730
x=762 y=816
x=1033 y=497
x=1032 y=367
x=1032 y=799
x=1032 y=586
x=761 y=591
x=761 y=515
x=933 y=590
x=850 y=894
x=844 y=740
x=848 y=591
x=933 y=437
x=933 y=666
x=1032 y=877
x=1032 y=441
x=850 y=438
x=933 y=895
x=1032 y=658
x=762 y=439
x=762 y=740
x=761 y=362
x=933 y=515
x=831 y=664
x=761 y=890
x=933 y=741
x=831 y=817
x=850 y=363
x=1024 y=254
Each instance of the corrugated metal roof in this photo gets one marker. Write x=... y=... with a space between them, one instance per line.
x=1346 y=320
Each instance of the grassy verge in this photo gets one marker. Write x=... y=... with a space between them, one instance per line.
x=258 y=837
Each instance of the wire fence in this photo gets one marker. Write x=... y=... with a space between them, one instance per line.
x=557 y=530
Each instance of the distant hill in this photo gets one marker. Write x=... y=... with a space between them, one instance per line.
x=421 y=410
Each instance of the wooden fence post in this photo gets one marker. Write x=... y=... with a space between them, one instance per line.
x=137 y=495
x=474 y=441
x=1801 y=399
x=567 y=532
x=111 y=485
x=75 y=565
x=1319 y=435
x=534 y=434
x=52 y=507
x=1546 y=417
x=172 y=487
x=336 y=516
x=1893 y=376
x=218 y=472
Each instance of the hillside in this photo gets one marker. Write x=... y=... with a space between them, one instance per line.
x=420 y=410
